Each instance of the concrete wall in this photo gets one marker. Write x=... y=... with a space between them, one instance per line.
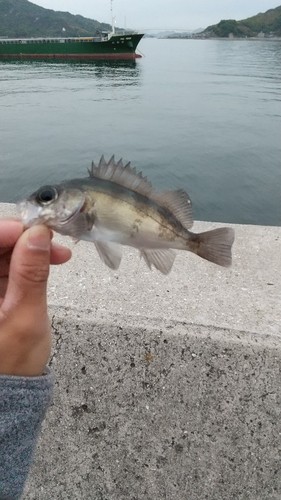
x=167 y=387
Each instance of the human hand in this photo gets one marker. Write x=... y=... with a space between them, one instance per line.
x=25 y=334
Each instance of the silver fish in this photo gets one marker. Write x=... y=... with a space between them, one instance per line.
x=115 y=206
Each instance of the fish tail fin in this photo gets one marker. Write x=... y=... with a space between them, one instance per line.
x=215 y=245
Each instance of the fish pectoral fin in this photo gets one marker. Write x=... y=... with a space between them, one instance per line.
x=161 y=259
x=110 y=253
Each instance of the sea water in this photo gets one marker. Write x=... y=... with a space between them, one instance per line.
x=201 y=115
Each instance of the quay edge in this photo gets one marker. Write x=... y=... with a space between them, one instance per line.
x=167 y=387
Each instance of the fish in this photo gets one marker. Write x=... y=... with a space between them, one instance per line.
x=116 y=206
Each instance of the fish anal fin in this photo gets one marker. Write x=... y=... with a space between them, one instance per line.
x=110 y=253
x=161 y=259
x=179 y=203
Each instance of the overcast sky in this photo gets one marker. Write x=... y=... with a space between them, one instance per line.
x=162 y=14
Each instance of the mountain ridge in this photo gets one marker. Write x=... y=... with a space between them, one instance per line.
x=267 y=23
x=21 y=18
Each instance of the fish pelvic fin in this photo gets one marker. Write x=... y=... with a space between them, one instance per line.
x=110 y=253
x=215 y=245
x=162 y=260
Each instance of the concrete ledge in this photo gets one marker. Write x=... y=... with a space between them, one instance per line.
x=167 y=387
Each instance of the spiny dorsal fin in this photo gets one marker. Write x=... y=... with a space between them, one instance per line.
x=177 y=202
x=125 y=176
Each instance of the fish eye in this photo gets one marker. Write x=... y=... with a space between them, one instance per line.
x=46 y=195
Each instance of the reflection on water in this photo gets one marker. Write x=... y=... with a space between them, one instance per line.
x=67 y=62
x=93 y=80
x=126 y=71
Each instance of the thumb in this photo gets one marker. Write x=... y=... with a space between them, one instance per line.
x=29 y=270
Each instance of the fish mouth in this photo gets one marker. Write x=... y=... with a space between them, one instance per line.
x=29 y=213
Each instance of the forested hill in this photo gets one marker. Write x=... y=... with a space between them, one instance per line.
x=20 y=18
x=268 y=24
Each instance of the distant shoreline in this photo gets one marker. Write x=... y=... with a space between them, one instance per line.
x=234 y=39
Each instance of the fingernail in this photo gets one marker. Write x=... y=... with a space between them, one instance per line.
x=39 y=238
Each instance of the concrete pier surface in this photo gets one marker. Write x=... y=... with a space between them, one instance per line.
x=167 y=387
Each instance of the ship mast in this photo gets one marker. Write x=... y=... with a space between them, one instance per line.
x=112 y=19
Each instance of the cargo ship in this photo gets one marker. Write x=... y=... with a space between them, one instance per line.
x=103 y=45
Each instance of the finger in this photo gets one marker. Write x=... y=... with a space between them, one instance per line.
x=29 y=270
x=10 y=231
x=59 y=254
x=5 y=259
x=3 y=288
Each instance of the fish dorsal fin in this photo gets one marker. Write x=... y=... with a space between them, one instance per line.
x=179 y=203
x=125 y=176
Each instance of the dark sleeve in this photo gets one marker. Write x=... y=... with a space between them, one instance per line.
x=23 y=404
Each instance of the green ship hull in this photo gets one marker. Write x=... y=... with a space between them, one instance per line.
x=109 y=46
